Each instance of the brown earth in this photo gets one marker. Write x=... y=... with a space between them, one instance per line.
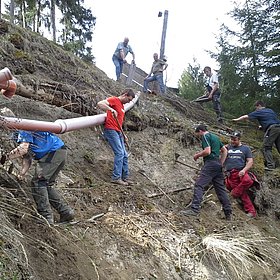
x=120 y=233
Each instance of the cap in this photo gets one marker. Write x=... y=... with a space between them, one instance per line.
x=235 y=134
x=201 y=127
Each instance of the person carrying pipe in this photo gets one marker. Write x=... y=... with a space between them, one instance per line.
x=123 y=48
x=7 y=84
x=238 y=178
x=50 y=154
x=114 y=106
x=214 y=154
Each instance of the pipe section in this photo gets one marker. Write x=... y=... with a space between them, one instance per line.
x=7 y=85
x=60 y=126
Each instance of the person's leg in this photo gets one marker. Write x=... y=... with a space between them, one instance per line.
x=277 y=141
x=242 y=191
x=116 y=61
x=216 y=100
x=147 y=81
x=159 y=79
x=268 y=142
x=218 y=183
x=40 y=195
x=114 y=139
x=49 y=168
x=203 y=180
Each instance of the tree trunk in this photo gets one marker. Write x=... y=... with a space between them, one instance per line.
x=53 y=20
x=12 y=11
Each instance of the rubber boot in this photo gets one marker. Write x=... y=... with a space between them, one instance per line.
x=40 y=195
x=58 y=203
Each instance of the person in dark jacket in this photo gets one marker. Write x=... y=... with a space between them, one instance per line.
x=270 y=124
x=50 y=154
x=237 y=165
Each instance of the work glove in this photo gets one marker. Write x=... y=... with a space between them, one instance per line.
x=3 y=159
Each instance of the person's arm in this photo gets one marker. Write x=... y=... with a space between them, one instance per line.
x=203 y=153
x=214 y=88
x=249 y=164
x=165 y=66
x=105 y=106
x=244 y=117
x=133 y=57
x=223 y=155
x=19 y=151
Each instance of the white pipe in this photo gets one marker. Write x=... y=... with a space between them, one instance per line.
x=59 y=126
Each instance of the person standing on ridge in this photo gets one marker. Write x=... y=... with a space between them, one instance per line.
x=50 y=154
x=119 y=56
x=237 y=164
x=214 y=154
x=113 y=133
x=156 y=74
x=270 y=124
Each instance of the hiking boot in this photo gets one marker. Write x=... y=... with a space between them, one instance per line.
x=189 y=212
x=119 y=182
x=251 y=215
x=228 y=217
x=126 y=180
x=67 y=216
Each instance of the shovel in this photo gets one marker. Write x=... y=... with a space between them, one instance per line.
x=124 y=136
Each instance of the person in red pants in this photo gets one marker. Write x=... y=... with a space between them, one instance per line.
x=237 y=165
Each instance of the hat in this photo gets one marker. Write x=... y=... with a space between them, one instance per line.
x=201 y=127
x=235 y=134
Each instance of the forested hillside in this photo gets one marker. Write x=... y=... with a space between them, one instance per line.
x=119 y=232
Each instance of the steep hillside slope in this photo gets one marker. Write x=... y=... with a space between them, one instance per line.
x=123 y=233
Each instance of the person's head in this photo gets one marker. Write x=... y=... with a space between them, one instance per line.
x=126 y=96
x=155 y=56
x=207 y=71
x=235 y=138
x=201 y=129
x=125 y=41
x=259 y=104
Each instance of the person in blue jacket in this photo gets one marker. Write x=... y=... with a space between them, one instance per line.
x=270 y=124
x=119 y=56
x=50 y=153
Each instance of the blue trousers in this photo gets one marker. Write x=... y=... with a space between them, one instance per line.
x=116 y=142
x=119 y=66
x=158 y=78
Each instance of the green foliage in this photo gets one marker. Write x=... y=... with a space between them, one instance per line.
x=191 y=84
x=78 y=23
x=250 y=58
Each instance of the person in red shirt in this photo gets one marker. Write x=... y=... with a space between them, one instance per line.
x=113 y=134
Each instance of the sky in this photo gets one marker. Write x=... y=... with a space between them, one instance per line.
x=191 y=30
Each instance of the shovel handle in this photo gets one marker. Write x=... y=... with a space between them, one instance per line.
x=124 y=136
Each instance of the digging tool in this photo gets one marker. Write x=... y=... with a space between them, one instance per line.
x=142 y=172
x=190 y=166
x=124 y=136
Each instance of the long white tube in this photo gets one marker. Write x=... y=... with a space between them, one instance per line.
x=59 y=126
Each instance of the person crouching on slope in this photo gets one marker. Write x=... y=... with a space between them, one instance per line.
x=237 y=164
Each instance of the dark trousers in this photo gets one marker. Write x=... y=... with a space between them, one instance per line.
x=44 y=194
x=272 y=136
x=211 y=172
x=216 y=101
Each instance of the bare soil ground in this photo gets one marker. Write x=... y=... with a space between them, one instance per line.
x=119 y=233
